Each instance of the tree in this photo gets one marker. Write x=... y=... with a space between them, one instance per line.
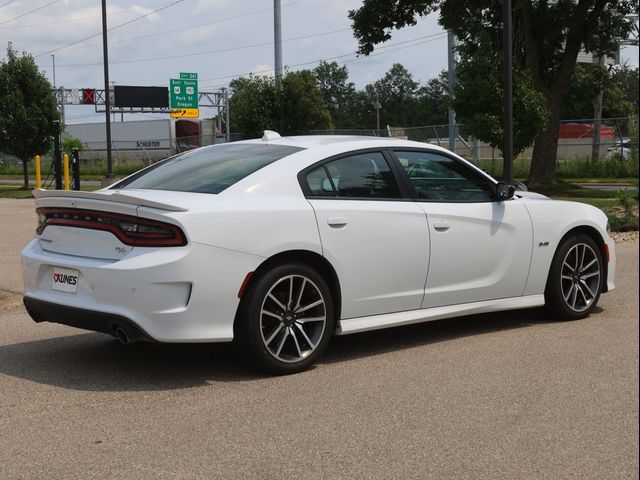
x=253 y=106
x=292 y=106
x=587 y=81
x=547 y=39
x=302 y=107
x=337 y=92
x=432 y=103
x=396 y=92
x=28 y=109
x=479 y=85
x=628 y=80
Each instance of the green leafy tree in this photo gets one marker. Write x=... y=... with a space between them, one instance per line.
x=547 y=39
x=27 y=109
x=338 y=93
x=479 y=85
x=432 y=103
x=301 y=106
x=396 y=92
x=587 y=81
x=70 y=143
x=253 y=105
x=628 y=80
x=292 y=106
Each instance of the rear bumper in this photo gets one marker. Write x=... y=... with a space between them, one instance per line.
x=183 y=294
x=41 y=311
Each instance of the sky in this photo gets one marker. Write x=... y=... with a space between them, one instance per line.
x=218 y=39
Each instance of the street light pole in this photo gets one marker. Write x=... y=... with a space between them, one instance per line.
x=507 y=45
x=107 y=99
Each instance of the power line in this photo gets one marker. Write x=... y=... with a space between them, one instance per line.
x=27 y=13
x=77 y=19
x=206 y=52
x=111 y=29
x=431 y=38
x=6 y=3
x=190 y=27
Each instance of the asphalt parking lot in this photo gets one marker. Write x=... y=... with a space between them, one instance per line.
x=509 y=395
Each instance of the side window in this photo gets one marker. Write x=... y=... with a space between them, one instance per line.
x=365 y=175
x=442 y=179
x=319 y=183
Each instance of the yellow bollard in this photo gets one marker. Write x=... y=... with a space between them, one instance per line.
x=65 y=169
x=38 y=174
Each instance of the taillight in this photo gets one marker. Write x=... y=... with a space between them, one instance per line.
x=130 y=230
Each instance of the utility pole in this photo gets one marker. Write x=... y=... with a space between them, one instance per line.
x=227 y=134
x=451 y=81
x=597 y=117
x=507 y=45
x=107 y=100
x=53 y=59
x=377 y=106
x=277 y=39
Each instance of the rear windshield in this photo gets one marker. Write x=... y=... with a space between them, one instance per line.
x=207 y=170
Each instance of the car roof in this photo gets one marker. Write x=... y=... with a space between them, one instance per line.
x=347 y=142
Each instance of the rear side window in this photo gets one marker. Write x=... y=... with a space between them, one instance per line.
x=365 y=175
x=208 y=170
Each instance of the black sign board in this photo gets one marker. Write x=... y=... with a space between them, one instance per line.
x=150 y=97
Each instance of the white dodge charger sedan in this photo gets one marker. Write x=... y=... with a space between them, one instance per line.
x=281 y=243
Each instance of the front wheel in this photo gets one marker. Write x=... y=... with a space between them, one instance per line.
x=285 y=320
x=575 y=279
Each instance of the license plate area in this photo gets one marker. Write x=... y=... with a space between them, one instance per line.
x=65 y=280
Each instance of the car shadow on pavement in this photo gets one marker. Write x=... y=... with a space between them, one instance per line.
x=348 y=347
x=96 y=362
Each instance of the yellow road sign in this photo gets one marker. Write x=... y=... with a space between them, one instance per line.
x=186 y=113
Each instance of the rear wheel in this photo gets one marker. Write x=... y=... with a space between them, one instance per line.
x=576 y=278
x=285 y=319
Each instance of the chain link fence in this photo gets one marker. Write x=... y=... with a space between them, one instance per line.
x=616 y=153
x=617 y=136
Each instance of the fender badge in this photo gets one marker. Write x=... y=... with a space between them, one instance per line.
x=543 y=244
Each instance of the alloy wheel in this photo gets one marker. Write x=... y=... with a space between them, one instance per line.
x=293 y=318
x=580 y=277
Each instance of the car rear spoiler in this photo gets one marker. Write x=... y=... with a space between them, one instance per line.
x=107 y=195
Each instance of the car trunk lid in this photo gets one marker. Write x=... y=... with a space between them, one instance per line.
x=91 y=213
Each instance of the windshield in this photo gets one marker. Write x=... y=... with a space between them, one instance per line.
x=209 y=169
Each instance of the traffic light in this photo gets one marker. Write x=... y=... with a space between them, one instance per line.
x=88 y=96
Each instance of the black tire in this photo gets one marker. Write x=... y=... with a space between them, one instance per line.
x=565 y=278
x=254 y=328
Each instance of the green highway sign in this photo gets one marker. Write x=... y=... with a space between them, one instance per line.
x=183 y=91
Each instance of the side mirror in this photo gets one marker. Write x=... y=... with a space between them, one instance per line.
x=504 y=191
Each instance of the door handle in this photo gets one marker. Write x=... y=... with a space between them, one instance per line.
x=441 y=226
x=337 y=222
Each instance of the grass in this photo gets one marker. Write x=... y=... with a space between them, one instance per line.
x=89 y=170
x=622 y=180
x=601 y=203
x=16 y=191
x=576 y=170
